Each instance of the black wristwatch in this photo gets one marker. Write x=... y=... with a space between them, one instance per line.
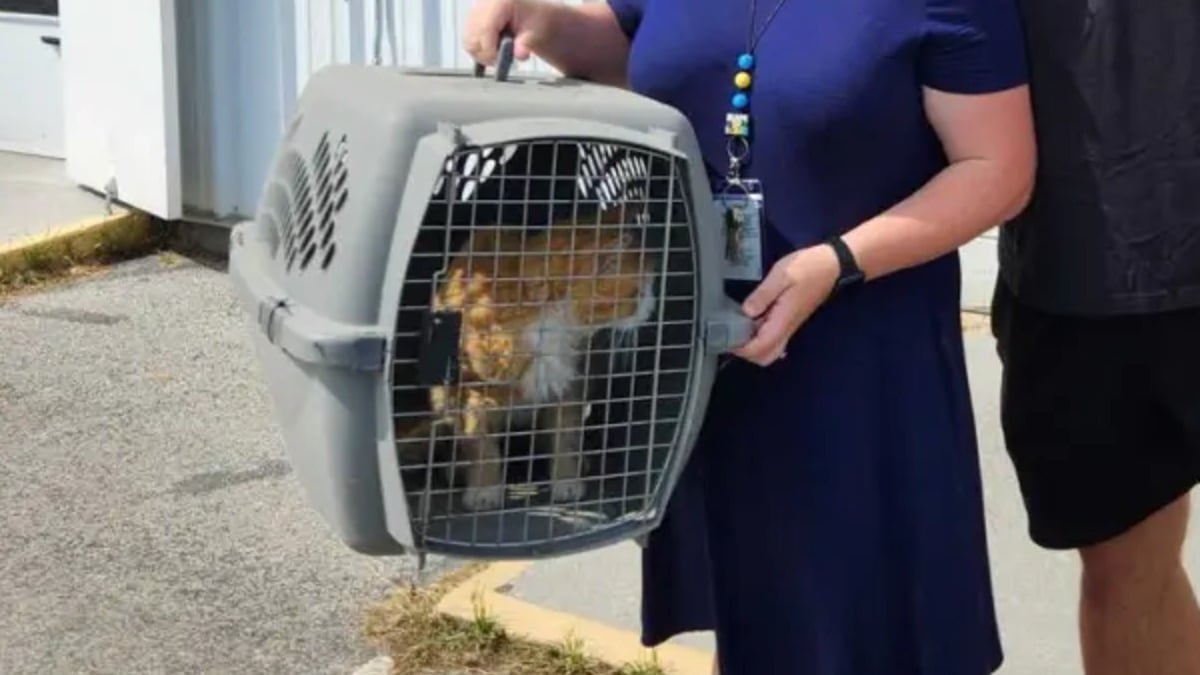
x=850 y=273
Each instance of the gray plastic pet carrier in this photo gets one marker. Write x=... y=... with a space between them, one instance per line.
x=489 y=310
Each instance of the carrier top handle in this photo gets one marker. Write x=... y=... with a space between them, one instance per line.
x=504 y=59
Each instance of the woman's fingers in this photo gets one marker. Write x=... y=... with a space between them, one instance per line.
x=521 y=48
x=771 y=308
x=767 y=292
x=769 y=341
x=481 y=34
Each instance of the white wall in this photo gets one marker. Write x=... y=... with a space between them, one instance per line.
x=31 y=86
x=243 y=63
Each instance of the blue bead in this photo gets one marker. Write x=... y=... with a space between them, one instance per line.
x=740 y=101
x=745 y=61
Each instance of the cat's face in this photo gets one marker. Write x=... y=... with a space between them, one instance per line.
x=612 y=286
x=600 y=276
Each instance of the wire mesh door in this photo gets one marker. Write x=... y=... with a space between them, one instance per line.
x=544 y=346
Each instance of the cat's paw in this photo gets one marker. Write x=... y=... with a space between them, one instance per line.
x=567 y=490
x=483 y=498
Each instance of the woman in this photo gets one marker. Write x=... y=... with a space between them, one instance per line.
x=831 y=520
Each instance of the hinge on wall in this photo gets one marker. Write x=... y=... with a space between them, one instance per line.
x=110 y=195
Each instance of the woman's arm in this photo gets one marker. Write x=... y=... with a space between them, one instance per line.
x=989 y=141
x=584 y=41
x=971 y=63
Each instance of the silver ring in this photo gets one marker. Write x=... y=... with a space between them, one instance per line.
x=737 y=147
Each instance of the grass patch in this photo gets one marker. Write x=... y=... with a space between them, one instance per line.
x=32 y=282
x=421 y=641
x=70 y=255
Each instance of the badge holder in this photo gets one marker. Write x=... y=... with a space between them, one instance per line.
x=739 y=203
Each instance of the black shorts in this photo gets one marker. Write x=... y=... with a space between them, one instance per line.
x=1101 y=416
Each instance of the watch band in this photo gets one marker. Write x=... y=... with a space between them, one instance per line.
x=849 y=273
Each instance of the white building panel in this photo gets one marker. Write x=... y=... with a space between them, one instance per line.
x=242 y=65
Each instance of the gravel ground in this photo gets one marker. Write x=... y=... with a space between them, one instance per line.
x=150 y=521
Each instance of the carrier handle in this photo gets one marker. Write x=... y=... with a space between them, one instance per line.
x=292 y=327
x=504 y=59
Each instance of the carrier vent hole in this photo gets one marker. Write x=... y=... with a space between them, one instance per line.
x=305 y=203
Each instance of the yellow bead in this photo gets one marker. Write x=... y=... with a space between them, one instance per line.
x=742 y=80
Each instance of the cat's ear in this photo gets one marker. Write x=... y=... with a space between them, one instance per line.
x=627 y=212
x=610 y=260
x=535 y=291
x=484 y=239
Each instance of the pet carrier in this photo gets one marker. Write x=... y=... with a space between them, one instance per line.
x=489 y=310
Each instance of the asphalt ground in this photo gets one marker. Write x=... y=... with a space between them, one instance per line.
x=150 y=523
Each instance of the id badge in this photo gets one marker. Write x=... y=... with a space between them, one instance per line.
x=740 y=207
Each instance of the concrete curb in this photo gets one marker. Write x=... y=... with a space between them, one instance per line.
x=91 y=240
x=615 y=646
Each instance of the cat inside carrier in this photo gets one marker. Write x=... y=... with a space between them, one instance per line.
x=488 y=310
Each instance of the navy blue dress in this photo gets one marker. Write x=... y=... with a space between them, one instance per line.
x=831 y=520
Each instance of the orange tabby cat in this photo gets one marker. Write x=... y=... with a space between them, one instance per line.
x=529 y=303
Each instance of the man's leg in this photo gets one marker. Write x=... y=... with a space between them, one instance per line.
x=1100 y=417
x=1138 y=612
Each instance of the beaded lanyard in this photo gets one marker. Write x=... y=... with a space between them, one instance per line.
x=737 y=134
x=737 y=121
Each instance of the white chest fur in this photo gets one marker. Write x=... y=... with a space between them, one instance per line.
x=555 y=338
x=554 y=341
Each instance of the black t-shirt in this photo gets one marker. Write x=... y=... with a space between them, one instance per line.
x=1114 y=224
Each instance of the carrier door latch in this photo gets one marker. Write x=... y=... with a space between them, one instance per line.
x=313 y=339
x=727 y=329
x=437 y=363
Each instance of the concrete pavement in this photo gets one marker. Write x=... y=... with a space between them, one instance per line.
x=979 y=268
x=595 y=595
x=47 y=223
x=36 y=196
x=150 y=521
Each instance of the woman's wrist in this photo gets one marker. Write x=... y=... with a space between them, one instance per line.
x=815 y=264
x=539 y=17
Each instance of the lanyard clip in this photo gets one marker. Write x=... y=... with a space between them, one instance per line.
x=738 y=149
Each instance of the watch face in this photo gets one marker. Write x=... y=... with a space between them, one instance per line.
x=849 y=279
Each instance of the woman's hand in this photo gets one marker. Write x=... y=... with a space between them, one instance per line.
x=583 y=41
x=487 y=19
x=795 y=287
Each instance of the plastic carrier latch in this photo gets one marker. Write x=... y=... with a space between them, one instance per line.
x=504 y=59
x=437 y=363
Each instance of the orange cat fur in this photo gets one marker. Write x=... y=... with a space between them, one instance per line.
x=529 y=302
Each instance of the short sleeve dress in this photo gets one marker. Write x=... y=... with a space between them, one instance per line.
x=831 y=519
